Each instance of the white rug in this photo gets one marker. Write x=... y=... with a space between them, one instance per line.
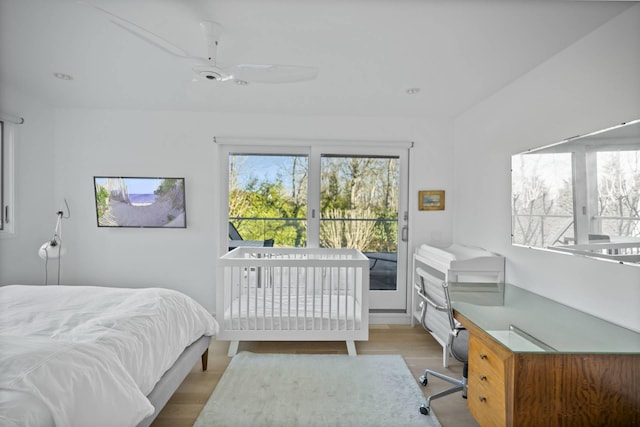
x=315 y=390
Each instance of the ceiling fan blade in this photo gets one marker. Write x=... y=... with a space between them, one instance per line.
x=254 y=73
x=144 y=34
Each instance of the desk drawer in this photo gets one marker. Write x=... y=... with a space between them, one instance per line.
x=486 y=394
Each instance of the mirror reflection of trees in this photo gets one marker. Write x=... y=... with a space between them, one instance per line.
x=543 y=198
x=542 y=209
x=618 y=193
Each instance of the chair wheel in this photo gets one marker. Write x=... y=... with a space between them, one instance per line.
x=423 y=380
x=424 y=410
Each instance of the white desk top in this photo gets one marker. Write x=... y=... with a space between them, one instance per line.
x=547 y=324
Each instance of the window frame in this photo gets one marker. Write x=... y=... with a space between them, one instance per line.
x=378 y=299
x=7 y=182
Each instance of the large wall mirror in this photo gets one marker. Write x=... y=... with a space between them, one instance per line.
x=581 y=195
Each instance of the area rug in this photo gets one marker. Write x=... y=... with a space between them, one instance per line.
x=287 y=390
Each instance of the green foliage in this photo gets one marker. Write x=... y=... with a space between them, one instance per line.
x=172 y=190
x=358 y=203
x=102 y=201
x=276 y=215
x=165 y=186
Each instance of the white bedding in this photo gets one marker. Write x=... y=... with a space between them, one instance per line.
x=274 y=311
x=91 y=354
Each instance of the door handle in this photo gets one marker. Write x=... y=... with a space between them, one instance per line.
x=405 y=233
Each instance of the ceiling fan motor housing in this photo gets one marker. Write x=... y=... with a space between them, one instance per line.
x=209 y=72
x=211 y=75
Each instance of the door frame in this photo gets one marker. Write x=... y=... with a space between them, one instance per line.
x=392 y=301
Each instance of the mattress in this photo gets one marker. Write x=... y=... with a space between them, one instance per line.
x=90 y=355
x=275 y=311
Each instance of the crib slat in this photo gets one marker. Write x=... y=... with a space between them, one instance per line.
x=250 y=278
x=274 y=278
x=353 y=314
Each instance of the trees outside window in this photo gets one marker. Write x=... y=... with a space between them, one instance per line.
x=325 y=196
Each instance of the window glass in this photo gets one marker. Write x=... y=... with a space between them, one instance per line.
x=618 y=194
x=268 y=198
x=542 y=199
x=2 y=178
x=6 y=178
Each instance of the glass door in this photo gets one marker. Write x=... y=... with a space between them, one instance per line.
x=360 y=207
x=321 y=197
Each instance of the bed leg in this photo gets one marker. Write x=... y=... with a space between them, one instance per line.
x=351 y=348
x=233 y=348
x=205 y=359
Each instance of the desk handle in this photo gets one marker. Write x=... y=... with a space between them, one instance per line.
x=483 y=377
x=483 y=356
x=482 y=399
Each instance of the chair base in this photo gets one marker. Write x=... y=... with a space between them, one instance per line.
x=459 y=385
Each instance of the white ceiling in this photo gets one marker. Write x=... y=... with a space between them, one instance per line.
x=368 y=51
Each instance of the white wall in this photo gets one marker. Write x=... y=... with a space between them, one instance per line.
x=34 y=213
x=591 y=85
x=136 y=143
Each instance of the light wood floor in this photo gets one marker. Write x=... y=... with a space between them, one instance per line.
x=418 y=348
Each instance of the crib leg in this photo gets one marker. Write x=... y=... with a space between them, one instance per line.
x=233 y=348
x=351 y=348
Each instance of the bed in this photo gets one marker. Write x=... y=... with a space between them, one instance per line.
x=87 y=355
x=292 y=294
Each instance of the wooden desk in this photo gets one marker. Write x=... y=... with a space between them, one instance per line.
x=575 y=370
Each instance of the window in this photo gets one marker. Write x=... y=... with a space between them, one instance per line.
x=323 y=196
x=2 y=213
x=6 y=177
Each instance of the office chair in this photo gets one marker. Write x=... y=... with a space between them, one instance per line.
x=437 y=317
x=236 y=237
x=234 y=234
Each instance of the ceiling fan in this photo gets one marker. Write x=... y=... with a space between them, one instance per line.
x=208 y=68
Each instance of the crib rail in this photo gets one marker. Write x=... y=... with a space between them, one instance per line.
x=293 y=294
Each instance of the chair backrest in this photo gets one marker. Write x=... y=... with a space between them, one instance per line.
x=233 y=233
x=437 y=313
x=436 y=310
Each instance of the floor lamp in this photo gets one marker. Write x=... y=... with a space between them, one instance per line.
x=53 y=248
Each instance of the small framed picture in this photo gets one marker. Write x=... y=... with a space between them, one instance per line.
x=431 y=200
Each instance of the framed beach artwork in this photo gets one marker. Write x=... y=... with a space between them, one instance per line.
x=140 y=202
x=431 y=200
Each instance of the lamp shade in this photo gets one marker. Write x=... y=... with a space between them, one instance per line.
x=51 y=250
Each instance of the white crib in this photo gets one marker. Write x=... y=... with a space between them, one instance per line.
x=293 y=294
